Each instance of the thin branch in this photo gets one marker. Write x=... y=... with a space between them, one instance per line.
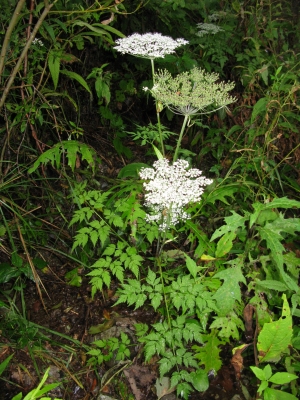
x=23 y=54
x=13 y=23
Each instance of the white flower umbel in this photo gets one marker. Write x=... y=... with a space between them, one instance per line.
x=208 y=29
x=148 y=45
x=170 y=189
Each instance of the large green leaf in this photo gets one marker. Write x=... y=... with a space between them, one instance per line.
x=132 y=170
x=273 y=240
x=271 y=233
x=228 y=326
x=274 y=394
x=54 y=65
x=233 y=222
x=259 y=108
x=272 y=285
x=225 y=244
x=230 y=291
x=199 y=379
x=71 y=148
x=221 y=193
x=282 y=202
x=275 y=337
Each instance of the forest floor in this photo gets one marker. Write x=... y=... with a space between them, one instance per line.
x=72 y=313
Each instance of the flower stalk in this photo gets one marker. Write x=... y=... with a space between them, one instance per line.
x=162 y=147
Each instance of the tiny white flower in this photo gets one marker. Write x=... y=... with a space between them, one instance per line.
x=148 y=45
x=38 y=42
x=170 y=188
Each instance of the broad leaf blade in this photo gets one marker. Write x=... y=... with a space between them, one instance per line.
x=275 y=337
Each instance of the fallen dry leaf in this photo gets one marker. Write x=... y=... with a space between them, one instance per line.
x=237 y=360
x=248 y=318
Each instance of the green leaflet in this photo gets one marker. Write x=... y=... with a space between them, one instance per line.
x=273 y=240
x=221 y=193
x=199 y=380
x=209 y=354
x=131 y=170
x=233 y=222
x=71 y=148
x=5 y=363
x=54 y=64
x=282 y=202
x=272 y=285
x=230 y=291
x=191 y=266
x=100 y=30
x=279 y=378
x=76 y=77
x=274 y=394
x=228 y=326
x=271 y=233
x=259 y=108
x=225 y=244
x=275 y=337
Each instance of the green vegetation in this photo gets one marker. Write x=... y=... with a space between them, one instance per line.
x=102 y=137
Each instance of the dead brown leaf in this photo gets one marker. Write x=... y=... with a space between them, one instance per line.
x=248 y=318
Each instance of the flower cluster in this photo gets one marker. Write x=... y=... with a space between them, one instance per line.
x=38 y=42
x=208 y=29
x=191 y=92
x=170 y=189
x=149 y=45
x=216 y=16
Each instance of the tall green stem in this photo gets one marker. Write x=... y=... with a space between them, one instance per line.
x=158 y=260
x=186 y=118
x=157 y=112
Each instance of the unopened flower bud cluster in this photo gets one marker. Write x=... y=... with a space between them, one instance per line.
x=208 y=29
x=170 y=189
x=191 y=92
x=217 y=16
x=148 y=45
